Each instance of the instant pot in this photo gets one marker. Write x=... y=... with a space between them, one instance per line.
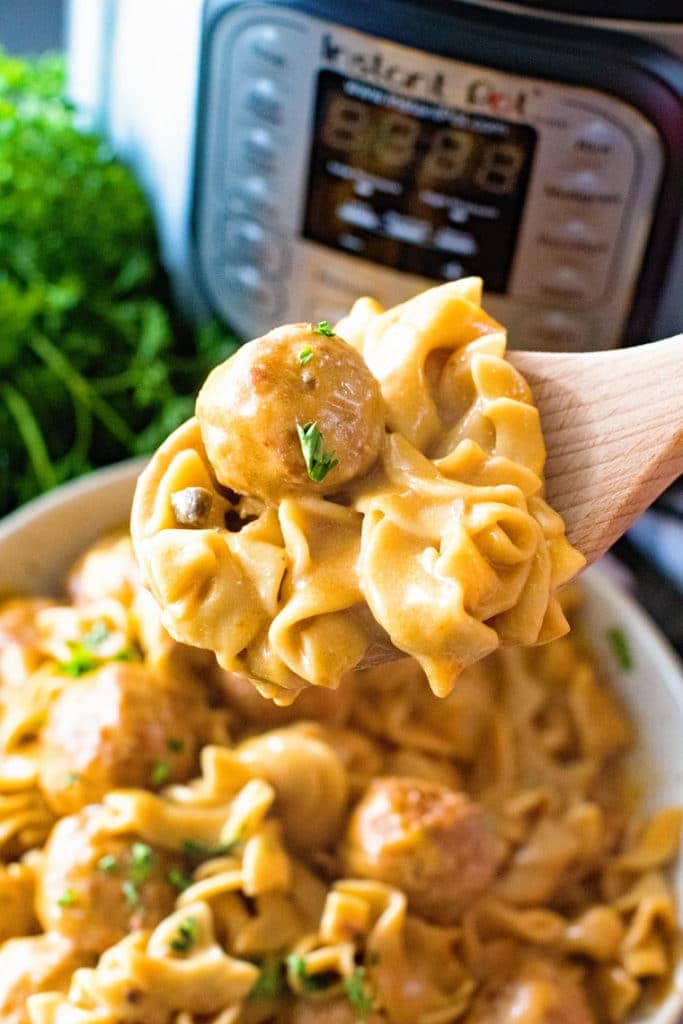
x=300 y=153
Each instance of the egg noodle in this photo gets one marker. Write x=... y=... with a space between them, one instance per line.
x=178 y=850
x=440 y=545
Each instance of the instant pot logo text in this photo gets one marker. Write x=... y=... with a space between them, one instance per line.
x=483 y=94
x=375 y=66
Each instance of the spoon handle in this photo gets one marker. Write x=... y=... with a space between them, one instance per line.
x=613 y=428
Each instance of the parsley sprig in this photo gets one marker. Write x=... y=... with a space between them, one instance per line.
x=159 y=773
x=202 y=851
x=109 y=864
x=82 y=660
x=305 y=355
x=324 y=328
x=86 y=655
x=130 y=891
x=271 y=981
x=68 y=898
x=618 y=641
x=142 y=863
x=139 y=869
x=180 y=880
x=318 y=461
x=357 y=992
x=185 y=936
x=308 y=983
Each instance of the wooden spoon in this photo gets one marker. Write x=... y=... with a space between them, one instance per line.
x=613 y=429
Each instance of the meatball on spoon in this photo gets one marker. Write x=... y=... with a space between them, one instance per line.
x=294 y=412
x=295 y=409
x=298 y=412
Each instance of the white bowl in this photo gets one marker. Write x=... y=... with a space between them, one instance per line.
x=41 y=540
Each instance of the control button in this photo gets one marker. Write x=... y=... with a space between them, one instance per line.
x=260 y=150
x=597 y=138
x=360 y=215
x=253 y=198
x=263 y=100
x=553 y=331
x=352 y=242
x=452 y=270
x=583 y=186
x=267 y=46
x=462 y=243
x=247 y=241
x=405 y=228
x=575 y=234
x=566 y=281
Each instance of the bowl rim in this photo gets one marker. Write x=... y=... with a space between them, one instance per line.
x=80 y=486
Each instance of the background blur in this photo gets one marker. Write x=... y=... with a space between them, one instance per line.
x=96 y=362
x=31 y=26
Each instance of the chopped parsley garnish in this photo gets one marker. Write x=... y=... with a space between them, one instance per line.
x=127 y=654
x=67 y=899
x=179 y=879
x=130 y=891
x=70 y=779
x=271 y=980
x=356 y=991
x=318 y=461
x=82 y=660
x=84 y=653
x=175 y=744
x=305 y=355
x=142 y=861
x=160 y=772
x=193 y=848
x=309 y=982
x=185 y=937
x=324 y=328
x=109 y=864
x=621 y=650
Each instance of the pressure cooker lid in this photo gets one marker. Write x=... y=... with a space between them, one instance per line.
x=623 y=10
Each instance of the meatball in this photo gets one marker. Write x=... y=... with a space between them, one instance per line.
x=547 y=992
x=41 y=963
x=118 y=726
x=251 y=405
x=309 y=779
x=94 y=888
x=425 y=839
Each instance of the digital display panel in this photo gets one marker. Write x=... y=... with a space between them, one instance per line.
x=417 y=186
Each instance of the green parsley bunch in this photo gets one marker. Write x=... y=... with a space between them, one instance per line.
x=95 y=365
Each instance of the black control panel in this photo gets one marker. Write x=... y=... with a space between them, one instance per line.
x=417 y=186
